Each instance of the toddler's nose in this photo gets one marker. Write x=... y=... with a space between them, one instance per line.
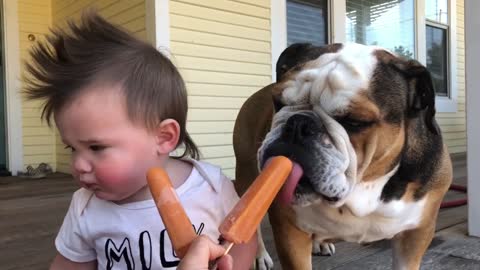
x=81 y=165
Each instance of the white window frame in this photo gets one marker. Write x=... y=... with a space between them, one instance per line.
x=442 y=103
x=446 y=28
x=337 y=11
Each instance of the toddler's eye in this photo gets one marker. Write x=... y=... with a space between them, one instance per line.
x=68 y=147
x=97 y=147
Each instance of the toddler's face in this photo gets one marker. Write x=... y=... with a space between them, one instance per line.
x=110 y=154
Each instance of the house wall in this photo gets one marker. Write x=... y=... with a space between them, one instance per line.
x=34 y=18
x=128 y=14
x=222 y=49
x=453 y=125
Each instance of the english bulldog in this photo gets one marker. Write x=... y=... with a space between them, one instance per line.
x=359 y=124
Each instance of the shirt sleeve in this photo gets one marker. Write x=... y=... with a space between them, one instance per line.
x=71 y=241
x=230 y=196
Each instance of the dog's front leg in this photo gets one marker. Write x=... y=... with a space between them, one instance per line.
x=263 y=259
x=410 y=246
x=294 y=247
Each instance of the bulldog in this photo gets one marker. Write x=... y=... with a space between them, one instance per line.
x=359 y=124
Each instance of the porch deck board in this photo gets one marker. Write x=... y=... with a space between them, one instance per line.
x=32 y=211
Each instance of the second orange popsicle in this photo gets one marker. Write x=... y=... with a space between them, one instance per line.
x=242 y=221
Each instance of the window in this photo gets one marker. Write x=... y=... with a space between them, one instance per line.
x=436 y=34
x=386 y=23
x=307 y=21
x=424 y=30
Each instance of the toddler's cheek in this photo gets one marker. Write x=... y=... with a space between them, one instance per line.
x=110 y=176
x=114 y=175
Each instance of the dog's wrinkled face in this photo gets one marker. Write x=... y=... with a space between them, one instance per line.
x=340 y=118
x=301 y=134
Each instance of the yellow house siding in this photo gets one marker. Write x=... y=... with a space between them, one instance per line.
x=453 y=124
x=223 y=51
x=127 y=13
x=38 y=140
x=130 y=14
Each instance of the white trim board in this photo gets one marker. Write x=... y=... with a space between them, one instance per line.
x=278 y=17
x=157 y=24
x=337 y=10
x=472 y=83
x=13 y=104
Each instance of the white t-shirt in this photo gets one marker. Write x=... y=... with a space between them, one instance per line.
x=132 y=236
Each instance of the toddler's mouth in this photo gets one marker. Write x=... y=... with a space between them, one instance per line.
x=92 y=187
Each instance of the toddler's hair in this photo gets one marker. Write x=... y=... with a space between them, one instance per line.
x=95 y=51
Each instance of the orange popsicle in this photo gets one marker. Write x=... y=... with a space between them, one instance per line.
x=242 y=221
x=178 y=225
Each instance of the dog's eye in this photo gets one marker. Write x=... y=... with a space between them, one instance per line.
x=354 y=125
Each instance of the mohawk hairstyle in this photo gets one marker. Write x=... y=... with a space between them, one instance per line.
x=95 y=51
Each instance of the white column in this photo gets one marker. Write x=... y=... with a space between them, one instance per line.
x=278 y=25
x=472 y=80
x=13 y=104
x=157 y=24
x=338 y=13
x=420 y=39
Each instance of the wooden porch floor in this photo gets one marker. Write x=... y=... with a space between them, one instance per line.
x=31 y=212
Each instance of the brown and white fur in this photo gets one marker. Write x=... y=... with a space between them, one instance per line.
x=360 y=122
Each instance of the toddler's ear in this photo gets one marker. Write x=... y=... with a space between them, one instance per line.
x=167 y=135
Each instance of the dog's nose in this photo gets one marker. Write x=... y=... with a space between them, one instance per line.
x=300 y=127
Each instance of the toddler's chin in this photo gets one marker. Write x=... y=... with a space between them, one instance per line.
x=105 y=195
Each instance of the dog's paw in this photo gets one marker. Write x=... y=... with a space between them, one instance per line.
x=323 y=248
x=263 y=261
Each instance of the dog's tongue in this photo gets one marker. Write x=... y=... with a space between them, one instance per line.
x=285 y=196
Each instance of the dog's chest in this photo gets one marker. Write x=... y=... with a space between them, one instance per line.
x=363 y=218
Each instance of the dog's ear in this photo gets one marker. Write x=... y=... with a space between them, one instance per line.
x=421 y=93
x=290 y=57
x=300 y=53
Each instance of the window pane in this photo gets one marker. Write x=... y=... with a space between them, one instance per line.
x=437 y=62
x=307 y=21
x=437 y=10
x=385 y=23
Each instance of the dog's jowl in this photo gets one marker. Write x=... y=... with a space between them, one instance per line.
x=369 y=162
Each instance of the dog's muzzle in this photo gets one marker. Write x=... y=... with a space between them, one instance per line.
x=303 y=137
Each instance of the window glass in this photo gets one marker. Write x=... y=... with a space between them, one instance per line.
x=389 y=24
x=437 y=10
x=437 y=58
x=307 y=21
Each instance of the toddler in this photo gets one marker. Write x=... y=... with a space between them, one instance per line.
x=120 y=106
